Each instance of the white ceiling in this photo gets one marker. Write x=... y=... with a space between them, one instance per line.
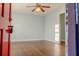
x=21 y=8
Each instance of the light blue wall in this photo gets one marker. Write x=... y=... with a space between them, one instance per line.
x=33 y=27
x=27 y=27
x=50 y=21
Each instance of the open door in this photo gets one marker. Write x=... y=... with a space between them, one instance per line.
x=70 y=17
x=5 y=28
x=62 y=27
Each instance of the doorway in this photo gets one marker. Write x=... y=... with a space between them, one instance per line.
x=62 y=28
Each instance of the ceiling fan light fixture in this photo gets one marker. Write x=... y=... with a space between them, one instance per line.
x=38 y=9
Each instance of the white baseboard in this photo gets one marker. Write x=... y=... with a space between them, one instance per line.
x=22 y=40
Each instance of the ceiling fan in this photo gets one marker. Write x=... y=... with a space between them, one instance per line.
x=39 y=7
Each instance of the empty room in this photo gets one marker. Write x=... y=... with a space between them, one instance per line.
x=37 y=29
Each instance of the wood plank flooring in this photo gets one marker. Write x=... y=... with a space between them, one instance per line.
x=37 y=48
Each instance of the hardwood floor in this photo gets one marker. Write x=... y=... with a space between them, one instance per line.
x=37 y=48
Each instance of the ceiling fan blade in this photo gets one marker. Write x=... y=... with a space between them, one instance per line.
x=46 y=6
x=33 y=10
x=42 y=9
